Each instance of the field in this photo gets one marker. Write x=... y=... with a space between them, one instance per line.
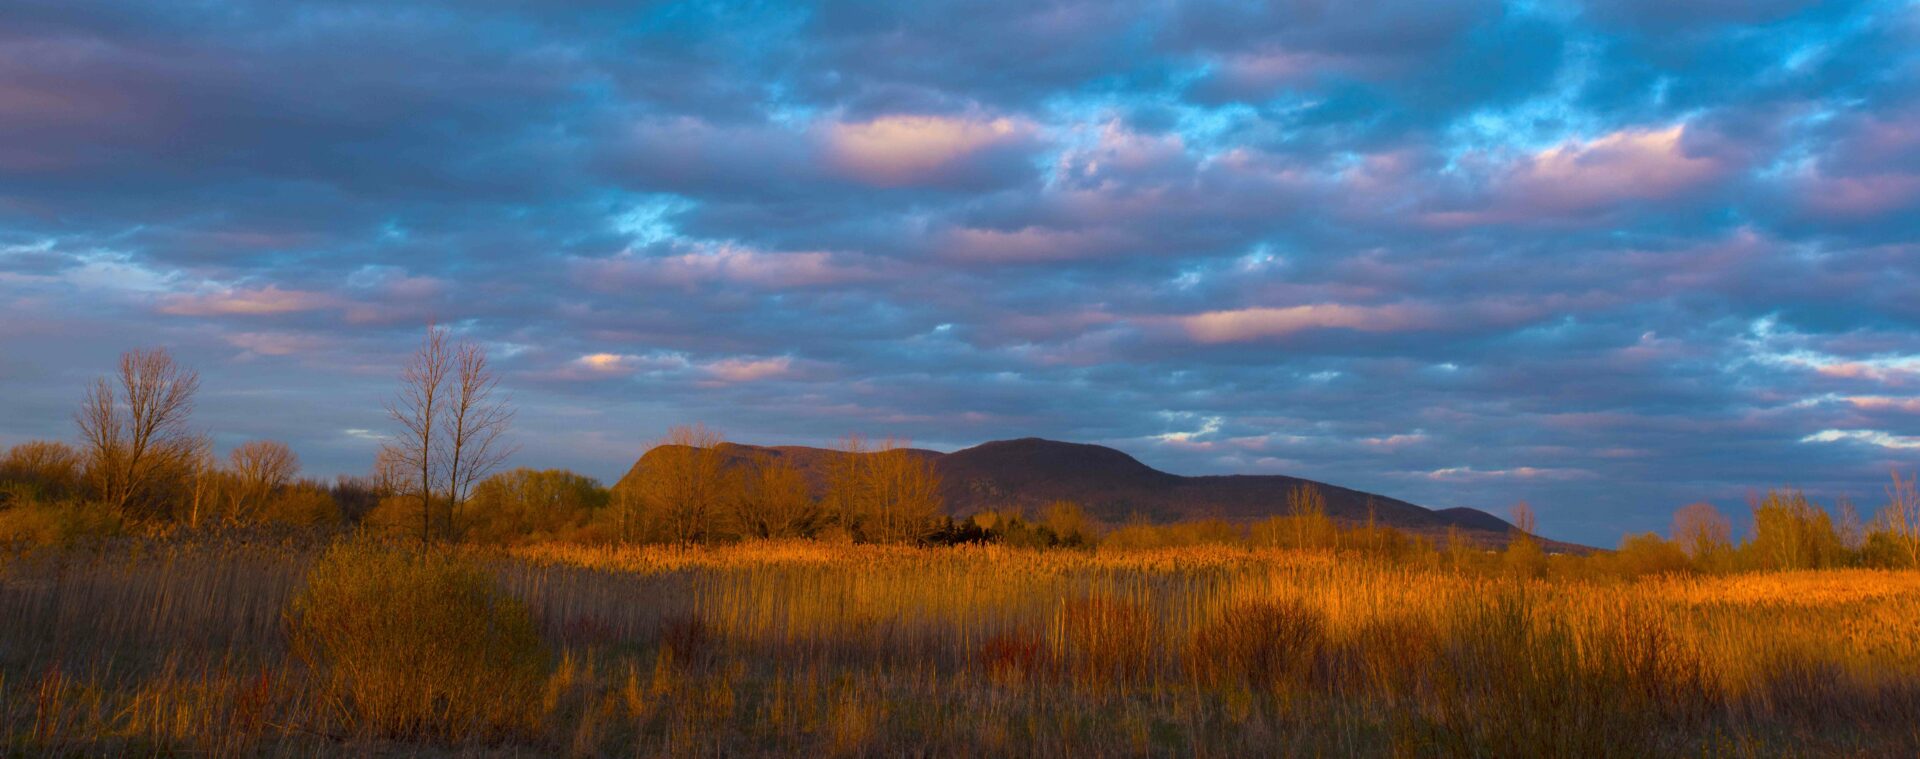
x=224 y=647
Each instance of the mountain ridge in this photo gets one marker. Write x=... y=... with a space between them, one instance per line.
x=1114 y=488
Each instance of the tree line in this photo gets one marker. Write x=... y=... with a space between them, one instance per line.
x=139 y=463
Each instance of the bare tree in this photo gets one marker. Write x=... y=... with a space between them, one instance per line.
x=205 y=474
x=390 y=475
x=903 y=492
x=262 y=467
x=847 y=496
x=1307 y=508
x=1902 y=515
x=136 y=433
x=1702 y=531
x=418 y=408
x=1850 y=531
x=1523 y=555
x=684 y=482
x=631 y=509
x=775 y=501
x=1523 y=519
x=475 y=425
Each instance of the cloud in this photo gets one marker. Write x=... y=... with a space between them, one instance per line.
x=278 y=343
x=727 y=265
x=1869 y=437
x=1032 y=245
x=907 y=150
x=749 y=369
x=1245 y=324
x=259 y=301
x=1636 y=163
x=1662 y=243
x=1470 y=474
x=1579 y=177
x=607 y=365
x=1884 y=403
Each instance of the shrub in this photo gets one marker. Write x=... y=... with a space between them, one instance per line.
x=1647 y=554
x=1523 y=557
x=58 y=523
x=1102 y=640
x=526 y=503
x=1012 y=657
x=1070 y=524
x=419 y=643
x=42 y=470
x=1791 y=532
x=1139 y=533
x=1267 y=644
x=302 y=506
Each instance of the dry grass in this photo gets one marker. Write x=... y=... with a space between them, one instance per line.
x=786 y=648
x=413 y=642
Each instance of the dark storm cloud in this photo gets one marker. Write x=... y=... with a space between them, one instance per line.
x=1606 y=257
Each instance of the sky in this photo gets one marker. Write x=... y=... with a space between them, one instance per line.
x=1609 y=258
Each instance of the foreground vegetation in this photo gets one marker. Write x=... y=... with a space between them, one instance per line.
x=298 y=645
x=156 y=599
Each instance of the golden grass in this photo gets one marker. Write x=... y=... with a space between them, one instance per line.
x=799 y=647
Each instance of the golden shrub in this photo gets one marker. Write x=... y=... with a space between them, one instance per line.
x=419 y=643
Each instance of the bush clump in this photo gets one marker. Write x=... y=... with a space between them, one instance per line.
x=419 y=643
x=58 y=524
x=1270 y=644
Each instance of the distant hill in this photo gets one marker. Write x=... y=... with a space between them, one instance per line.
x=1114 y=488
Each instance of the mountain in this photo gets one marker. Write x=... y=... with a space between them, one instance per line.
x=1114 y=488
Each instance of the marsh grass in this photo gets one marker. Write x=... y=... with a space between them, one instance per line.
x=803 y=648
x=417 y=642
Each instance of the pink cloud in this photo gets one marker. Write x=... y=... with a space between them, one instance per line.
x=1030 y=244
x=749 y=370
x=1884 y=403
x=275 y=343
x=261 y=301
x=1851 y=197
x=728 y=264
x=1578 y=176
x=607 y=365
x=1240 y=325
x=901 y=150
x=1394 y=442
x=1893 y=372
x=1645 y=164
x=1122 y=154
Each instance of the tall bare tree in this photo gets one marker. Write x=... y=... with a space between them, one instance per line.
x=390 y=475
x=775 y=501
x=846 y=483
x=1902 y=515
x=1524 y=522
x=685 y=483
x=418 y=408
x=903 y=494
x=135 y=426
x=1702 y=531
x=262 y=468
x=476 y=424
x=1307 y=508
x=205 y=475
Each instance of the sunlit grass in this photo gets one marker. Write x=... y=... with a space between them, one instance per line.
x=804 y=647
